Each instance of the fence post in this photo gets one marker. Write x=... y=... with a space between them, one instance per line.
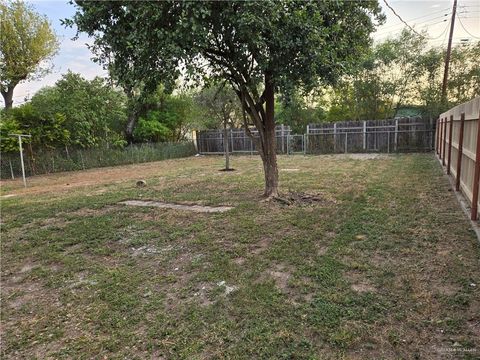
x=306 y=138
x=444 y=140
x=388 y=141
x=476 y=176
x=437 y=135
x=450 y=128
x=335 y=137
x=346 y=142
x=364 y=135
x=460 y=153
x=231 y=141
x=81 y=157
x=396 y=134
x=11 y=169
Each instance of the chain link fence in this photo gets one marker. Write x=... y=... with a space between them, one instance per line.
x=57 y=160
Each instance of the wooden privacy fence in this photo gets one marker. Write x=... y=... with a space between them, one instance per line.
x=458 y=147
x=392 y=135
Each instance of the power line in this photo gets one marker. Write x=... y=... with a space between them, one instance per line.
x=420 y=23
x=403 y=21
x=442 y=33
x=464 y=28
x=385 y=34
x=420 y=17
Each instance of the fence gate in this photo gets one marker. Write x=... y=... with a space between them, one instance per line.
x=295 y=144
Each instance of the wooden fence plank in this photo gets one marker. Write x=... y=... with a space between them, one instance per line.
x=444 y=140
x=449 y=162
x=460 y=151
x=474 y=211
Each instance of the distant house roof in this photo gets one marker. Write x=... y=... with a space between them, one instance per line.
x=408 y=111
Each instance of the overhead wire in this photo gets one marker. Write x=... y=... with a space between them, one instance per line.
x=464 y=28
x=425 y=21
x=420 y=23
x=400 y=18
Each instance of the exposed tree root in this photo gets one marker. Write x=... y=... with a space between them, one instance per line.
x=297 y=198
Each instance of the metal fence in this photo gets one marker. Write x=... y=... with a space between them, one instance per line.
x=212 y=141
x=57 y=160
x=393 y=135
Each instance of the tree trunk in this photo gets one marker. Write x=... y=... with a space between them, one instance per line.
x=225 y=146
x=8 y=97
x=268 y=142
x=264 y=121
x=131 y=122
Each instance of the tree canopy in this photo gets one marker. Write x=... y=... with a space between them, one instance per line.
x=26 y=41
x=259 y=47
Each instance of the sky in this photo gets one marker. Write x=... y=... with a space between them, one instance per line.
x=430 y=15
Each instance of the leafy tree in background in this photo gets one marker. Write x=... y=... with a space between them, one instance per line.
x=383 y=81
x=8 y=125
x=48 y=131
x=298 y=110
x=94 y=113
x=221 y=108
x=164 y=117
x=26 y=42
x=405 y=71
x=259 y=47
x=463 y=80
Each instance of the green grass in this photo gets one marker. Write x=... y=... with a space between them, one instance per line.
x=383 y=267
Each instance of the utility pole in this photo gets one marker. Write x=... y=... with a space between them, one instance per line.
x=19 y=136
x=447 y=57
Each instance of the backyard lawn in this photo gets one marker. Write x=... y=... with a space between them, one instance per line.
x=382 y=263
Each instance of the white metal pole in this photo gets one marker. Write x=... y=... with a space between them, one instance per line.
x=21 y=160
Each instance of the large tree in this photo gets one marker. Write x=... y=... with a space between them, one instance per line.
x=26 y=42
x=260 y=47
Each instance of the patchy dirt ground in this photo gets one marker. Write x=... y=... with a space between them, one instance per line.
x=94 y=177
x=377 y=268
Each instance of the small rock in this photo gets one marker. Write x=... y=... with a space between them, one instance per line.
x=360 y=237
x=141 y=183
x=473 y=284
x=230 y=289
